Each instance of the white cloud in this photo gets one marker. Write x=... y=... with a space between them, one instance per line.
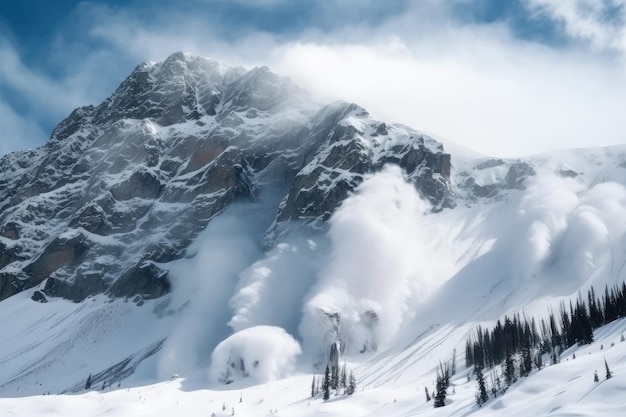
x=601 y=22
x=477 y=85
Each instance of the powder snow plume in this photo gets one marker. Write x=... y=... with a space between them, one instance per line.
x=375 y=274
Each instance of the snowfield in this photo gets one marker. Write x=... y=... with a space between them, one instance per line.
x=565 y=389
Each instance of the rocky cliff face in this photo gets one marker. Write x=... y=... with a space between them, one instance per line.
x=127 y=185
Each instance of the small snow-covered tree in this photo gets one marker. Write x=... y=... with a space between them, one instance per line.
x=609 y=374
x=427 y=394
x=453 y=365
x=88 y=382
x=313 y=387
x=440 y=390
x=595 y=376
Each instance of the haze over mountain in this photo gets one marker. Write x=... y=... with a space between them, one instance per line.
x=218 y=223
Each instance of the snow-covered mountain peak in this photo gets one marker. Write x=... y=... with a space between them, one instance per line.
x=172 y=147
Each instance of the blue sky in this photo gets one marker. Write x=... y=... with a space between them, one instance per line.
x=504 y=77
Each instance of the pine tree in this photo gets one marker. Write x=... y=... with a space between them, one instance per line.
x=554 y=358
x=326 y=384
x=526 y=362
x=609 y=374
x=427 y=394
x=595 y=376
x=88 y=382
x=313 y=386
x=509 y=370
x=344 y=377
x=538 y=359
x=440 y=389
x=351 y=384
x=453 y=366
x=481 y=395
x=334 y=377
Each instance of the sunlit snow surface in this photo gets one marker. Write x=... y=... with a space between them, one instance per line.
x=430 y=278
x=566 y=389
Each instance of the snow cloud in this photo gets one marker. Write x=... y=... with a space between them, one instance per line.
x=563 y=231
x=380 y=267
x=206 y=279
x=261 y=353
x=271 y=291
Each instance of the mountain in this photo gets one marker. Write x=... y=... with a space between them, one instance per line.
x=128 y=184
x=219 y=224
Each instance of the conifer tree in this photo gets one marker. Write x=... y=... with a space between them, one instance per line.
x=440 y=388
x=427 y=394
x=509 y=370
x=313 y=386
x=538 y=359
x=326 y=384
x=344 y=377
x=351 y=384
x=88 y=382
x=554 y=358
x=595 y=376
x=453 y=366
x=481 y=395
x=609 y=374
x=526 y=364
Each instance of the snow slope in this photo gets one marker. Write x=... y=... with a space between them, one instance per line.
x=427 y=277
x=565 y=389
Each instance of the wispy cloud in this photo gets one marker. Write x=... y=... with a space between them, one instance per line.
x=601 y=22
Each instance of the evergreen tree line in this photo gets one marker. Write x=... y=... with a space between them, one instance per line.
x=518 y=336
x=339 y=382
x=335 y=378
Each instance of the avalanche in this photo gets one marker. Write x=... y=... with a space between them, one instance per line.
x=353 y=231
